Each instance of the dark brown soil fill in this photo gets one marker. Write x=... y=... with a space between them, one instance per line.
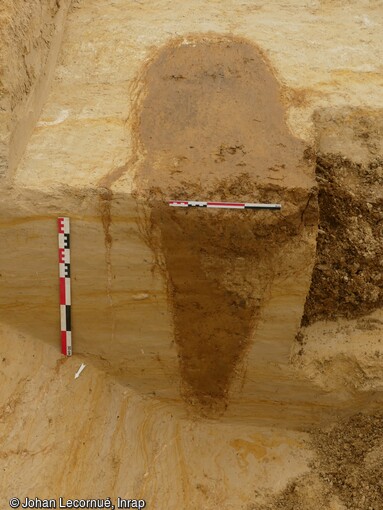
x=210 y=125
x=219 y=267
x=348 y=278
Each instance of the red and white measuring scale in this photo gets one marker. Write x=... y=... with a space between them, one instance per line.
x=64 y=275
x=223 y=205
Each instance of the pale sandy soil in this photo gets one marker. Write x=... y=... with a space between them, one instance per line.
x=172 y=407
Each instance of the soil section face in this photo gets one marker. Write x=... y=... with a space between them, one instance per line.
x=219 y=267
x=210 y=125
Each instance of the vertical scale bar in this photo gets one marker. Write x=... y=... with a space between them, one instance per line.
x=64 y=276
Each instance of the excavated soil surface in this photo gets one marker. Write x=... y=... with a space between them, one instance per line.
x=207 y=121
x=210 y=125
x=211 y=109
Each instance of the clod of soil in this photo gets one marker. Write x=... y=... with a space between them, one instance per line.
x=347 y=472
x=347 y=279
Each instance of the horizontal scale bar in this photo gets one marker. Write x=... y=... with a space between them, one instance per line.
x=223 y=205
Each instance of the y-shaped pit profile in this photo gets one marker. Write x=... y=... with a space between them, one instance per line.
x=210 y=125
